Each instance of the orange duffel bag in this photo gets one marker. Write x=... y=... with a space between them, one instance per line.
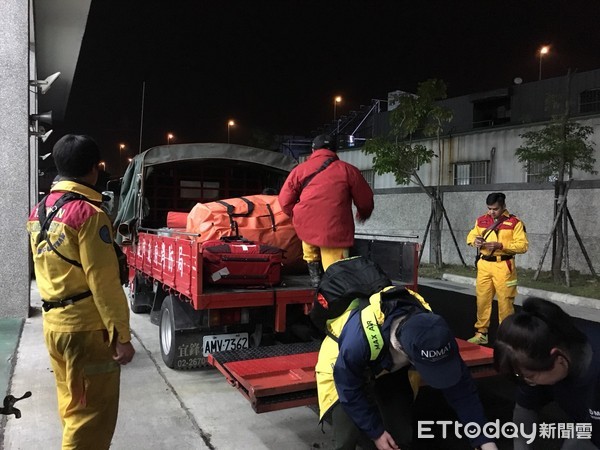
x=255 y=217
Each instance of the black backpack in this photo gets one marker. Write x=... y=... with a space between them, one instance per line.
x=342 y=283
x=46 y=219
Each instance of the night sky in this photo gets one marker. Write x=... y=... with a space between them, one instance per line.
x=275 y=66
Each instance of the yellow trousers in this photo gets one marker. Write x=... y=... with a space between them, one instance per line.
x=326 y=255
x=87 y=386
x=495 y=278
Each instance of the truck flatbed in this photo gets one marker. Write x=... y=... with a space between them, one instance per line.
x=283 y=376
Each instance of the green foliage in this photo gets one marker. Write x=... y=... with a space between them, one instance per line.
x=415 y=115
x=560 y=147
x=402 y=157
x=584 y=285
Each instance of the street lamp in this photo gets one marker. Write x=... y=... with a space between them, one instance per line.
x=545 y=49
x=121 y=148
x=103 y=165
x=169 y=137
x=230 y=124
x=336 y=100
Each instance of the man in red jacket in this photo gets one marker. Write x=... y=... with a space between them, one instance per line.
x=318 y=195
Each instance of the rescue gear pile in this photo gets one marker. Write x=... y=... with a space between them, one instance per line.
x=255 y=217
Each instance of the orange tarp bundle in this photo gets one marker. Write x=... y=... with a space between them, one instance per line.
x=177 y=219
x=256 y=217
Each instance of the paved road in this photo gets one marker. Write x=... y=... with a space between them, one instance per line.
x=162 y=408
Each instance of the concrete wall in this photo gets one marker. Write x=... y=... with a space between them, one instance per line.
x=14 y=157
x=406 y=211
x=496 y=145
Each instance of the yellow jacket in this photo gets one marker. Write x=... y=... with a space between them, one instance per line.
x=80 y=231
x=329 y=351
x=510 y=233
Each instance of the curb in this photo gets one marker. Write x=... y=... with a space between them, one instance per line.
x=567 y=299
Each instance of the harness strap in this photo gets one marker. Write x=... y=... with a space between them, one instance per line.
x=231 y=214
x=496 y=258
x=372 y=331
x=46 y=219
x=272 y=216
x=309 y=178
x=48 y=305
x=488 y=230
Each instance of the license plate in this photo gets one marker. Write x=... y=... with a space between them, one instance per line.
x=224 y=342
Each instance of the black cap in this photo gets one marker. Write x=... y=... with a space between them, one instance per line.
x=322 y=141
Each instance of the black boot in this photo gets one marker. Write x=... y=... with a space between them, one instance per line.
x=315 y=271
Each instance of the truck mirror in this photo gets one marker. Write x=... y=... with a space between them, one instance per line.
x=124 y=230
x=108 y=202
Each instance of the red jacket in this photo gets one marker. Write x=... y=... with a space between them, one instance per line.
x=322 y=211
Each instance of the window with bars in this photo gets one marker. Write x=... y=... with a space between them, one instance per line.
x=369 y=176
x=199 y=189
x=535 y=171
x=589 y=101
x=472 y=172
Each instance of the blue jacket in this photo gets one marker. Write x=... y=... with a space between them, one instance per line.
x=350 y=373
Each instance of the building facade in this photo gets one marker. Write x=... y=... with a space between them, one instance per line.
x=477 y=156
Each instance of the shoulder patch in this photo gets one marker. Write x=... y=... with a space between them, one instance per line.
x=105 y=234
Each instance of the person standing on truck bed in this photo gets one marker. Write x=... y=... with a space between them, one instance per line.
x=318 y=195
x=86 y=316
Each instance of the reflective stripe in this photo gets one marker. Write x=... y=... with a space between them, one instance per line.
x=421 y=299
x=98 y=368
x=512 y=283
x=372 y=331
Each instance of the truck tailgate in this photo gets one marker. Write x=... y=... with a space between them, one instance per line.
x=274 y=377
x=283 y=376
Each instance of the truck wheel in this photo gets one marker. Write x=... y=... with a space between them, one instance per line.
x=139 y=295
x=178 y=350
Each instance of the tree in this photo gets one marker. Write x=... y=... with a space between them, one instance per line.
x=560 y=147
x=416 y=116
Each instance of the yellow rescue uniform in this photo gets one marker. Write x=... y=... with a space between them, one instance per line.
x=329 y=351
x=80 y=337
x=326 y=255
x=496 y=270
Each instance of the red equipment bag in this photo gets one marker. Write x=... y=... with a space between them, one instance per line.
x=240 y=262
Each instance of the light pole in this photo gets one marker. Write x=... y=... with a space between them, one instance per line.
x=545 y=49
x=121 y=148
x=103 y=165
x=230 y=124
x=169 y=137
x=336 y=100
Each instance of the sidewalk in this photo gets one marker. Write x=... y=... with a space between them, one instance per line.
x=580 y=307
x=163 y=408
x=160 y=408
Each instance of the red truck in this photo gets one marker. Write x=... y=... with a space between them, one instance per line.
x=198 y=321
